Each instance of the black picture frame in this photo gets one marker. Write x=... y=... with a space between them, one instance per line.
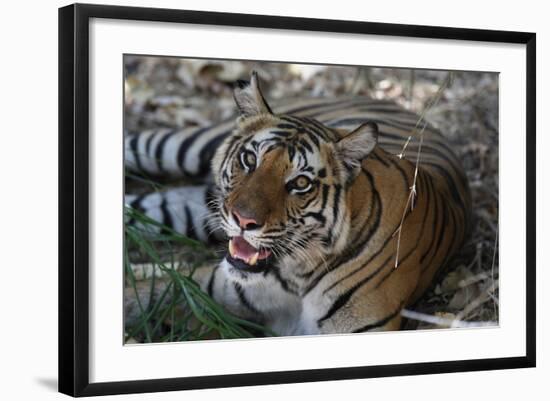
x=74 y=198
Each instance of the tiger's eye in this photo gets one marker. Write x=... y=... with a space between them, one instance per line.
x=300 y=184
x=248 y=160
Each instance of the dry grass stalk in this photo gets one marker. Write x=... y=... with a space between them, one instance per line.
x=410 y=198
x=412 y=192
x=485 y=296
x=443 y=322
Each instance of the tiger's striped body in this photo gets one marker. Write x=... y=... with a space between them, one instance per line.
x=333 y=249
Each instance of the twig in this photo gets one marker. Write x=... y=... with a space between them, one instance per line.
x=477 y=302
x=402 y=154
x=443 y=322
x=472 y=280
x=429 y=106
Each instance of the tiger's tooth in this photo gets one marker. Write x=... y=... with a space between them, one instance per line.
x=231 y=248
x=254 y=259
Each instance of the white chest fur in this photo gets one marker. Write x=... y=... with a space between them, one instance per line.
x=283 y=311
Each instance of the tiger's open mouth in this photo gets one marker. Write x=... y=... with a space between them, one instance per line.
x=244 y=256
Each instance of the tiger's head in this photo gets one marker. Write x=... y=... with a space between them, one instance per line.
x=283 y=184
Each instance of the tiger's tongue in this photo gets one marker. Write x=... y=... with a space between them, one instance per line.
x=239 y=248
x=243 y=250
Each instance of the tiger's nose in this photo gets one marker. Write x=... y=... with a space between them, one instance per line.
x=246 y=223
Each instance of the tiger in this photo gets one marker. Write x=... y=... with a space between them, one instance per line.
x=338 y=213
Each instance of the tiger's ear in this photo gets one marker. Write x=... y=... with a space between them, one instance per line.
x=357 y=145
x=249 y=98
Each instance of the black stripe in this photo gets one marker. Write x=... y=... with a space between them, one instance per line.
x=284 y=282
x=345 y=297
x=207 y=152
x=286 y=126
x=363 y=105
x=380 y=322
x=134 y=148
x=273 y=146
x=450 y=184
x=242 y=298
x=304 y=127
x=335 y=210
x=418 y=237
x=425 y=187
x=317 y=216
x=376 y=157
x=379 y=251
x=324 y=196
x=315 y=128
x=449 y=159
x=160 y=148
x=210 y=286
x=136 y=203
x=439 y=237
x=306 y=275
x=359 y=244
x=436 y=218
x=148 y=143
x=306 y=145
x=429 y=147
x=334 y=104
x=429 y=142
x=448 y=252
x=351 y=273
x=313 y=138
x=284 y=134
x=184 y=147
x=231 y=150
x=291 y=153
x=311 y=200
x=385 y=122
x=401 y=171
x=166 y=217
x=303 y=153
x=190 y=231
x=389 y=109
x=318 y=127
